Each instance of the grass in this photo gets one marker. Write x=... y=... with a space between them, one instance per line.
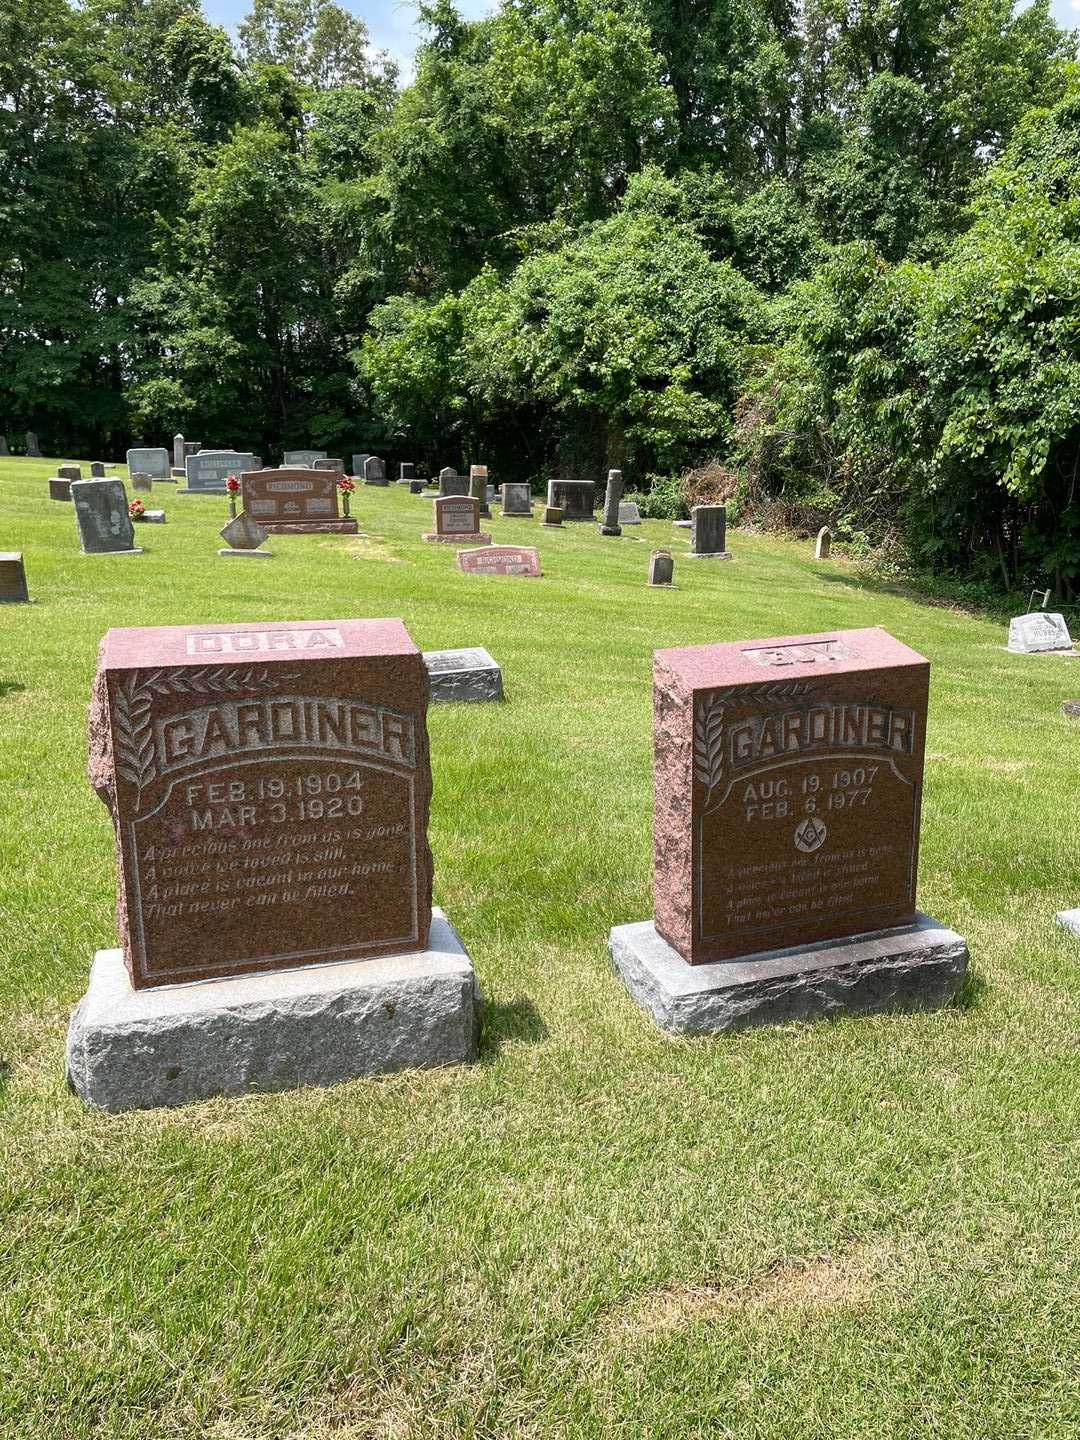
x=865 y=1228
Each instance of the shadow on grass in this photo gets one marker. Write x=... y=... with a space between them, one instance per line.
x=971 y=992
x=503 y=1020
x=10 y=687
x=987 y=608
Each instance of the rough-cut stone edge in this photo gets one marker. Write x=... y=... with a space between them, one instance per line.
x=321 y=1025
x=915 y=967
x=448 y=685
x=259 y=554
x=707 y=555
x=1069 y=920
x=346 y=526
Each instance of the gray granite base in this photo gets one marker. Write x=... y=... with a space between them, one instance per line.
x=139 y=1049
x=1069 y=920
x=916 y=967
x=706 y=555
x=468 y=675
x=255 y=554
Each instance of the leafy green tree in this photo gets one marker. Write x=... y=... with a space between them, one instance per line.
x=319 y=42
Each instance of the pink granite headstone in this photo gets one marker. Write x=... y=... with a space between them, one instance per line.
x=500 y=560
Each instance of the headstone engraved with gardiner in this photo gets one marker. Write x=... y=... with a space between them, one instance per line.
x=295 y=501
x=269 y=787
x=575 y=498
x=517 y=499
x=375 y=471
x=787 y=793
x=208 y=470
x=463 y=675
x=708 y=532
x=152 y=461
x=501 y=560
x=451 y=483
x=102 y=518
x=612 y=495
x=304 y=458
x=13 y=589
x=457 y=521
x=478 y=488
x=1040 y=632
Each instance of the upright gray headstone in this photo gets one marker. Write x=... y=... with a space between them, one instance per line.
x=152 y=461
x=517 y=498
x=824 y=543
x=208 y=471
x=661 y=568
x=97 y=469
x=305 y=458
x=406 y=472
x=141 y=484
x=575 y=498
x=191 y=447
x=416 y=487
x=629 y=514
x=1040 y=631
x=708 y=531
x=178 y=451
x=478 y=488
x=358 y=463
x=101 y=514
x=451 y=483
x=4 y=445
x=338 y=466
x=33 y=449
x=374 y=471
x=612 y=495
x=13 y=589
x=69 y=472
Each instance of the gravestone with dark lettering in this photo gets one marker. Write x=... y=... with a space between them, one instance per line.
x=787 y=798
x=457 y=521
x=208 y=470
x=500 y=560
x=102 y=518
x=466 y=675
x=33 y=449
x=152 y=461
x=478 y=488
x=517 y=499
x=13 y=589
x=575 y=498
x=269 y=787
x=451 y=483
x=243 y=537
x=191 y=447
x=304 y=458
x=612 y=495
x=375 y=471
x=823 y=543
x=59 y=489
x=1039 y=632
x=293 y=501
x=69 y=472
x=661 y=568
x=708 y=532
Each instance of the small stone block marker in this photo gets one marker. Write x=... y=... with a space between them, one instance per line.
x=708 y=532
x=823 y=544
x=243 y=536
x=451 y=483
x=13 y=589
x=787 y=796
x=466 y=675
x=500 y=560
x=295 y=501
x=416 y=487
x=102 y=519
x=140 y=483
x=152 y=517
x=97 y=470
x=152 y=460
x=304 y=458
x=457 y=521
x=661 y=569
x=59 y=489
x=613 y=494
x=1039 y=632
x=375 y=471
x=1069 y=920
x=69 y=472
x=575 y=498
x=1071 y=709
x=629 y=513
x=516 y=499
x=552 y=515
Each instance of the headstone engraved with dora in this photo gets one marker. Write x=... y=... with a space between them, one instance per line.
x=295 y=501
x=787 y=801
x=269 y=787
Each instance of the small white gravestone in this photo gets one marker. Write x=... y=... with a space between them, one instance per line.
x=629 y=514
x=149 y=460
x=1040 y=631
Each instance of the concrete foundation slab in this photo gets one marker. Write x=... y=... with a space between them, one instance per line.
x=916 y=967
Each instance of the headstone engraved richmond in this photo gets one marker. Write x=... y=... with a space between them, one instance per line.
x=629 y=513
x=69 y=472
x=208 y=470
x=1041 y=631
x=295 y=501
x=13 y=589
x=269 y=787
x=517 y=499
x=823 y=544
x=152 y=461
x=788 y=789
x=575 y=498
x=33 y=449
x=466 y=675
x=101 y=515
x=661 y=569
x=375 y=471
x=243 y=536
x=708 y=532
x=612 y=495
x=478 y=488
x=501 y=560
x=304 y=458
x=457 y=521
x=451 y=483
x=59 y=489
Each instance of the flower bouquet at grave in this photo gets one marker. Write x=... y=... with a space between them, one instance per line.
x=136 y=509
x=232 y=486
x=346 y=485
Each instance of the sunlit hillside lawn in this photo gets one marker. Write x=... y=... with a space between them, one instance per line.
x=858 y=1229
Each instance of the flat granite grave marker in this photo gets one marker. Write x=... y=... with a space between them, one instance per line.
x=152 y=461
x=787 y=791
x=304 y=458
x=243 y=537
x=575 y=498
x=102 y=518
x=375 y=471
x=451 y=483
x=294 y=501
x=612 y=495
x=269 y=787
x=500 y=560
x=208 y=470
x=708 y=532
x=516 y=500
x=661 y=569
x=466 y=675
x=1040 y=632
x=629 y=513
x=33 y=449
x=69 y=472
x=823 y=543
x=457 y=521
x=59 y=489
x=13 y=589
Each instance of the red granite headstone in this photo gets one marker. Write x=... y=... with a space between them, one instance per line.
x=788 y=786
x=269 y=787
x=500 y=560
x=457 y=521
x=293 y=499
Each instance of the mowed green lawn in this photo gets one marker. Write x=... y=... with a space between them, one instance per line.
x=864 y=1228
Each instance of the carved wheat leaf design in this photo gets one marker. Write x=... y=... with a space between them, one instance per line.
x=133 y=731
x=709 y=725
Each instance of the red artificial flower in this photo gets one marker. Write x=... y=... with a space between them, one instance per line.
x=346 y=483
x=136 y=508
x=232 y=484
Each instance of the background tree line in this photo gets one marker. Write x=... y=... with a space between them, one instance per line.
x=831 y=245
